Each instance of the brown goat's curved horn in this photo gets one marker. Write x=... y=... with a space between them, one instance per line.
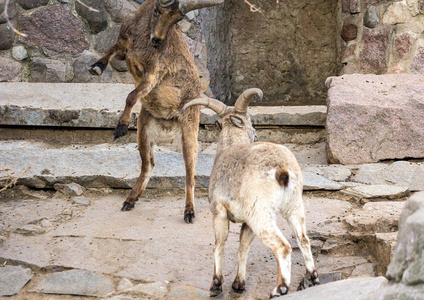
x=244 y=99
x=166 y=3
x=216 y=105
x=188 y=5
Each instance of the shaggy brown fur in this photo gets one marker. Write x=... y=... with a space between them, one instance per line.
x=166 y=78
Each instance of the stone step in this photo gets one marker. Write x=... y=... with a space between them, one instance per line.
x=98 y=106
x=117 y=166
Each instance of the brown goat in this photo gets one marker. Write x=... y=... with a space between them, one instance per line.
x=166 y=78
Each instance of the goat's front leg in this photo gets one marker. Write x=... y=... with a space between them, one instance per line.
x=146 y=149
x=99 y=66
x=190 y=129
x=246 y=238
x=221 y=228
x=145 y=86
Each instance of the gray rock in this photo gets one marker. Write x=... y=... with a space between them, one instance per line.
x=47 y=70
x=154 y=289
x=312 y=180
x=75 y=282
x=81 y=74
x=396 y=291
x=119 y=65
x=42 y=30
x=402 y=173
x=106 y=39
x=184 y=25
x=124 y=284
x=13 y=279
x=9 y=69
x=11 y=10
x=377 y=191
x=19 y=53
x=69 y=189
x=29 y=4
x=81 y=201
x=357 y=288
x=375 y=217
x=30 y=229
x=407 y=262
x=7 y=37
x=94 y=13
x=46 y=223
x=371 y=18
x=384 y=117
x=118 y=9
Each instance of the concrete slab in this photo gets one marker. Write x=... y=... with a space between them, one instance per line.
x=152 y=243
x=98 y=105
x=358 y=288
x=115 y=165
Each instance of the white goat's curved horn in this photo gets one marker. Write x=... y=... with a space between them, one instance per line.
x=244 y=99
x=188 y=5
x=216 y=105
x=166 y=3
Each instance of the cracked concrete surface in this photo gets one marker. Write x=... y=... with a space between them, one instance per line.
x=152 y=244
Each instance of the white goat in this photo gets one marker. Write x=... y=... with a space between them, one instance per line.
x=251 y=183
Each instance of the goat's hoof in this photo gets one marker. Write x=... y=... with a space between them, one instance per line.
x=238 y=286
x=309 y=280
x=120 y=131
x=97 y=68
x=127 y=206
x=189 y=217
x=215 y=291
x=278 y=291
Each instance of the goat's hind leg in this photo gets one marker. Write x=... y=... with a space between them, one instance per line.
x=220 y=227
x=297 y=223
x=246 y=238
x=146 y=149
x=271 y=236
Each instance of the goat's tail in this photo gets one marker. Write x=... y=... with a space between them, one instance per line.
x=282 y=176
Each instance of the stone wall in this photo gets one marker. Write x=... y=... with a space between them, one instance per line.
x=293 y=46
x=382 y=37
x=288 y=50
x=64 y=37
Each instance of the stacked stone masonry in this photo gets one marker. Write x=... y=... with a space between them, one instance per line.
x=64 y=37
x=382 y=37
x=288 y=50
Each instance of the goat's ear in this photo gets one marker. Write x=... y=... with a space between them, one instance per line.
x=218 y=125
x=237 y=121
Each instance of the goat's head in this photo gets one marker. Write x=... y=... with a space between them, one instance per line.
x=234 y=124
x=168 y=12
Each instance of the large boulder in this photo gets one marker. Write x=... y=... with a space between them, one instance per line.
x=55 y=28
x=406 y=272
x=374 y=117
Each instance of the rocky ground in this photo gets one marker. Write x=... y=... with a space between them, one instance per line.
x=62 y=234
x=87 y=242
